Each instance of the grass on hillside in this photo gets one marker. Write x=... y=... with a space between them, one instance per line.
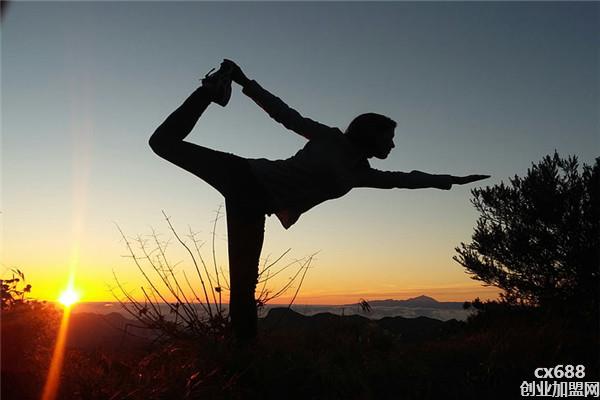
x=487 y=357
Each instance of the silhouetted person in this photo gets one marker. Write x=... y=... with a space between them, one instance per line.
x=330 y=164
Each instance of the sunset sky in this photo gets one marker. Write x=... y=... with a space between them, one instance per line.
x=475 y=87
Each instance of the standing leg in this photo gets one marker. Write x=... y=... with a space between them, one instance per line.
x=245 y=202
x=245 y=234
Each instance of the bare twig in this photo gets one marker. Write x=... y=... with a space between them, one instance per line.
x=135 y=259
x=214 y=253
x=183 y=316
x=192 y=236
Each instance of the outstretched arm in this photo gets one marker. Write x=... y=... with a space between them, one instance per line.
x=413 y=180
x=276 y=108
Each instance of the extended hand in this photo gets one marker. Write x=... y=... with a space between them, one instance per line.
x=461 y=180
x=236 y=73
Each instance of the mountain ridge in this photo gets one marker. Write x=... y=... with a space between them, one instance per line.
x=422 y=301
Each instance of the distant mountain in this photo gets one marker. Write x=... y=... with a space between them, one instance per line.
x=111 y=332
x=419 y=301
x=408 y=329
x=420 y=306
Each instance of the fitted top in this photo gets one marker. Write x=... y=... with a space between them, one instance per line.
x=327 y=167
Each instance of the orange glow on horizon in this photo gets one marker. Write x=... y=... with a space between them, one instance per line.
x=441 y=294
x=315 y=296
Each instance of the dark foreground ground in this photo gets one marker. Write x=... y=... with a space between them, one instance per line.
x=320 y=357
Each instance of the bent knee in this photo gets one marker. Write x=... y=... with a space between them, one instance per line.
x=159 y=146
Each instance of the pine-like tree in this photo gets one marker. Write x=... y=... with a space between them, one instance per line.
x=538 y=238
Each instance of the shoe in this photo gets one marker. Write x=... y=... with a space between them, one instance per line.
x=219 y=83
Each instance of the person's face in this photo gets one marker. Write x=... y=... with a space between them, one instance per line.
x=384 y=143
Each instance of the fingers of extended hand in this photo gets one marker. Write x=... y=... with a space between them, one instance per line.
x=461 y=180
x=472 y=178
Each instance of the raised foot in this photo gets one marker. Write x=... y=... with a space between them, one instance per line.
x=219 y=84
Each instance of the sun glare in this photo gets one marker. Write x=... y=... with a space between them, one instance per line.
x=69 y=297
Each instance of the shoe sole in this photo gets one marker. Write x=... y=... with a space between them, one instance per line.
x=223 y=94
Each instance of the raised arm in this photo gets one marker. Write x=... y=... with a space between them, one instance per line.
x=413 y=180
x=276 y=108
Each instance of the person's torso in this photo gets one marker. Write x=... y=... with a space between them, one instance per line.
x=327 y=167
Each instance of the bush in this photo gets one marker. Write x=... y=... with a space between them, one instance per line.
x=28 y=332
x=538 y=238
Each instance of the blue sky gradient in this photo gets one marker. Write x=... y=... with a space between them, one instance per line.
x=475 y=87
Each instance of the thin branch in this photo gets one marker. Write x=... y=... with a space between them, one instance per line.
x=300 y=284
x=270 y=276
x=214 y=254
x=196 y=296
x=191 y=311
x=265 y=269
x=286 y=286
x=142 y=270
x=160 y=270
x=193 y=238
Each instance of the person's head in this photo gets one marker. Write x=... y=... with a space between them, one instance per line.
x=373 y=134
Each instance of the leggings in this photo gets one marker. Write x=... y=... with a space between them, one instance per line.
x=245 y=204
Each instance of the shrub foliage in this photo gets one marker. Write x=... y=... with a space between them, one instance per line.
x=538 y=237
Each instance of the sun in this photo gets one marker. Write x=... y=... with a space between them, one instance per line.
x=69 y=297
